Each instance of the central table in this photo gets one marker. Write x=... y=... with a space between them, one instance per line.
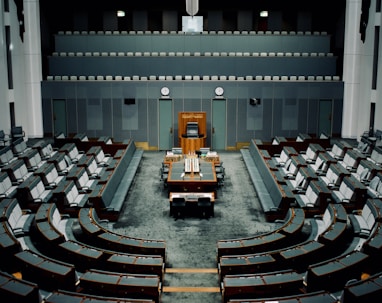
x=202 y=181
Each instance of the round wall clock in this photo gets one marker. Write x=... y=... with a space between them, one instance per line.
x=165 y=91
x=219 y=91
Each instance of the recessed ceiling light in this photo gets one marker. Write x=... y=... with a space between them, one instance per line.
x=264 y=14
x=121 y=13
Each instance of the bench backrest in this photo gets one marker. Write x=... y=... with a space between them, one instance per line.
x=5 y=183
x=6 y=155
x=36 y=188
x=376 y=155
x=20 y=170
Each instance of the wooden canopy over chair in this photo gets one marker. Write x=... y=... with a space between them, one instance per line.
x=192 y=131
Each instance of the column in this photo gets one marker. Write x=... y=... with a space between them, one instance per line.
x=352 y=64
x=33 y=68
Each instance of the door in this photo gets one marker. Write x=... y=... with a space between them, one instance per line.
x=165 y=124
x=59 y=116
x=219 y=122
x=325 y=117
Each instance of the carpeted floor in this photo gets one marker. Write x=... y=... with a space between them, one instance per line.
x=191 y=241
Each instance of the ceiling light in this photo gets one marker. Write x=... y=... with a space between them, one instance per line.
x=264 y=14
x=120 y=13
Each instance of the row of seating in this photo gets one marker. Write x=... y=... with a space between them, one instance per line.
x=343 y=242
x=195 y=77
x=316 y=175
x=106 y=32
x=15 y=133
x=325 y=239
x=195 y=54
x=50 y=236
x=327 y=262
x=67 y=176
x=49 y=252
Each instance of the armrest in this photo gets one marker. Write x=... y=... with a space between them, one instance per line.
x=85 y=190
x=289 y=176
x=63 y=172
x=300 y=190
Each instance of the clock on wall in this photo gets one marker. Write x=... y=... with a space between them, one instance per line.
x=219 y=91
x=165 y=91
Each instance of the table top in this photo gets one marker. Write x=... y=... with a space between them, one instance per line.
x=206 y=172
x=192 y=196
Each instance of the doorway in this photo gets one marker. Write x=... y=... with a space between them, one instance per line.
x=219 y=122
x=59 y=117
x=325 y=117
x=165 y=124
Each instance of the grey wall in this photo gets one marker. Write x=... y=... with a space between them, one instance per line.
x=192 y=65
x=191 y=43
x=97 y=108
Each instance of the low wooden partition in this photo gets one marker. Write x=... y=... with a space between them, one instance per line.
x=363 y=290
x=280 y=283
x=333 y=274
x=289 y=233
x=121 y=285
x=18 y=290
x=317 y=296
x=97 y=235
x=59 y=296
x=48 y=273
x=84 y=257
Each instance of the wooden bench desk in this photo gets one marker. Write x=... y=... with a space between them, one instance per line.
x=192 y=201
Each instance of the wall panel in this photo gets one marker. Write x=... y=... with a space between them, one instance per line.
x=271 y=118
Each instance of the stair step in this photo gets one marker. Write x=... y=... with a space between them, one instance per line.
x=189 y=289
x=191 y=270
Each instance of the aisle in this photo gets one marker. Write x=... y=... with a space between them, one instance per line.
x=191 y=242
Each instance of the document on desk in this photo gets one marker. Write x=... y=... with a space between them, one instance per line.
x=187 y=165
x=195 y=165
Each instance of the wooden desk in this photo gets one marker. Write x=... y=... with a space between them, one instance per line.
x=192 y=144
x=203 y=181
x=192 y=197
x=191 y=202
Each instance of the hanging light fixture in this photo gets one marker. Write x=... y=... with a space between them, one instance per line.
x=192 y=7
x=120 y=13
